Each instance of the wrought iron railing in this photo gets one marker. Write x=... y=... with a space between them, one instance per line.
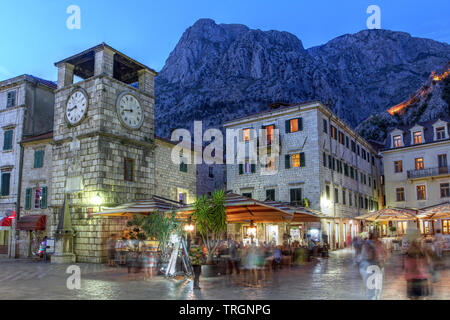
x=429 y=172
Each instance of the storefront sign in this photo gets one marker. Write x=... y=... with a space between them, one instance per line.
x=50 y=246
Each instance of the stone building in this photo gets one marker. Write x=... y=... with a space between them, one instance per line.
x=103 y=136
x=417 y=170
x=98 y=150
x=173 y=181
x=211 y=177
x=36 y=187
x=26 y=104
x=322 y=164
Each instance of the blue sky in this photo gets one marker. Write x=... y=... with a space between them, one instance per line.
x=34 y=33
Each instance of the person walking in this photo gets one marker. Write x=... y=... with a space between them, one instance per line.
x=415 y=265
x=111 y=244
x=197 y=257
x=371 y=267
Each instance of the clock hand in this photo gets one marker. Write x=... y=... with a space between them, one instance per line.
x=129 y=110
x=72 y=108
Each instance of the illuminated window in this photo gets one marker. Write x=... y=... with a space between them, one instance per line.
x=402 y=226
x=397 y=141
x=246 y=134
x=293 y=125
x=417 y=137
x=426 y=227
x=182 y=197
x=295 y=160
x=269 y=134
x=400 y=194
x=419 y=163
x=333 y=133
x=341 y=138
x=37 y=198
x=446 y=226
x=398 y=166
x=421 y=193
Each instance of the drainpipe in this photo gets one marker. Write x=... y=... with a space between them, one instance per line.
x=333 y=231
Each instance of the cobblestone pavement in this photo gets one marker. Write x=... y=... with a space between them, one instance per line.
x=334 y=278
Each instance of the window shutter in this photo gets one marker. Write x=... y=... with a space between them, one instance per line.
x=41 y=158
x=292 y=191
x=44 y=198
x=28 y=199
x=302 y=159
x=287 y=161
x=253 y=168
x=241 y=168
x=7 y=143
x=5 y=183
x=300 y=124
x=288 y=126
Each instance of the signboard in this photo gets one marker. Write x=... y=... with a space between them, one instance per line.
x=50 y=246
x=74 y=184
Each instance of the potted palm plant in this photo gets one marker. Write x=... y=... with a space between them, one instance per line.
x=159 y=226
x=210 y=218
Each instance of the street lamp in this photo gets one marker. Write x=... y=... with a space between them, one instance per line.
x=97 y=200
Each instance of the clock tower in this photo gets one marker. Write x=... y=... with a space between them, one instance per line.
x=103 y=148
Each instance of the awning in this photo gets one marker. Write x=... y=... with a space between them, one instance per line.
x=143 y=207
x=32 y=222
x=299 y=214
x=389 y=214
x=5 y=222
x=240 y=209
x=439 y=211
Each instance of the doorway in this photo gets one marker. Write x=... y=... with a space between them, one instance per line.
x=272 y=234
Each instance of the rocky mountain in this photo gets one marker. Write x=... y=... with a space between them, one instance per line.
x=430 y=101
x=218 y=72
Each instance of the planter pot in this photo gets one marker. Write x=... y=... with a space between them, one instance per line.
x=211 y=270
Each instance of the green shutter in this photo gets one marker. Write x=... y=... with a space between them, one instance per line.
x=44 y=198
x=39 y=159
x=5 y=184
x=241 y=168
x=302 y=159
x=28 y=199
x=253 y=168
x=7 y=142
x=288 y=126
x=287 y=161
x=300 y=124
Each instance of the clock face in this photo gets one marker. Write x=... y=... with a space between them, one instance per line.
x=130 y=111
x=76 y=107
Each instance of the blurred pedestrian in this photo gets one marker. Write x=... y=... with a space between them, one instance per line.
x=415 y=265
x=197 y=257
x=371 y=267
x=111 y=244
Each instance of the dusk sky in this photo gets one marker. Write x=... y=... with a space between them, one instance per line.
x=34 y=33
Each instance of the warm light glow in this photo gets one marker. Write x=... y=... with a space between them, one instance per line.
x=189 y=227
x=251 y=231
x=421 y=93
x=97 y=200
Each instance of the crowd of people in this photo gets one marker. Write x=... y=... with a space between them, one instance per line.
x=421 y=263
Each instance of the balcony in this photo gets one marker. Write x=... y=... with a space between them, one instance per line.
x=429 y=172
